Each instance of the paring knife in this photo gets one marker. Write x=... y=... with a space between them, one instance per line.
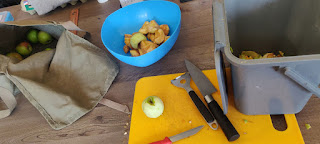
x=170 y=140
x=206 y=88
x=183 y=81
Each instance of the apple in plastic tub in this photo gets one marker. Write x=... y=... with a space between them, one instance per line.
x=152 y=106
x=24 y=48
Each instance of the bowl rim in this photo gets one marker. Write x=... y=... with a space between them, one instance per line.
x=131 y=5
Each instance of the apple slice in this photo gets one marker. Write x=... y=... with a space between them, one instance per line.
x=136 y=39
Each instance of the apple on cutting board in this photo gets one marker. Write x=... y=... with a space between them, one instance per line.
x=152 y=106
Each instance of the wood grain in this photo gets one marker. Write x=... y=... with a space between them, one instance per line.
x=105 y=125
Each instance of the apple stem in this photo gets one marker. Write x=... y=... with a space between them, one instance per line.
x=151 y=101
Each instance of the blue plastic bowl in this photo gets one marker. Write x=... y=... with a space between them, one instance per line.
x=130 y=19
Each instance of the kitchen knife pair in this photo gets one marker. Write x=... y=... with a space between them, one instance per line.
x=215 y=115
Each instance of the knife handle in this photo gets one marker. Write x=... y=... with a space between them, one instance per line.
x=223 y=121
x=201 y=107
x=164 y=141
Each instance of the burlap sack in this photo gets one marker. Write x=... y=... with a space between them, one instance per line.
x=62 y=84
x=7 y=92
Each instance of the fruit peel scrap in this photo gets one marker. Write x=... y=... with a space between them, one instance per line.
x=245 y=121
x=308 y=126
x=253 y=55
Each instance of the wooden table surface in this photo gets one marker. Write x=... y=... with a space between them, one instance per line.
x=105 y=125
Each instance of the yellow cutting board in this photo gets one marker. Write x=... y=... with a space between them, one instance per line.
x=180 y=114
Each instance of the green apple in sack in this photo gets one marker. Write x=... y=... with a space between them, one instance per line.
x=24 y=48
x=44 y=38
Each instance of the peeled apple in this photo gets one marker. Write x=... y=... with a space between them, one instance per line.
x=152 y=106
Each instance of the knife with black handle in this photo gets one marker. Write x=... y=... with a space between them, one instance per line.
x=225 y=124
x=206 y=88
x=201 y=107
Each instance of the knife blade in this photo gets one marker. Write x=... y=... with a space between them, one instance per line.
x=204 y=85
x=170 y=140
x=206 y=89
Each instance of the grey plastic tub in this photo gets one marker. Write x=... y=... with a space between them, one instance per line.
x=276 y=85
